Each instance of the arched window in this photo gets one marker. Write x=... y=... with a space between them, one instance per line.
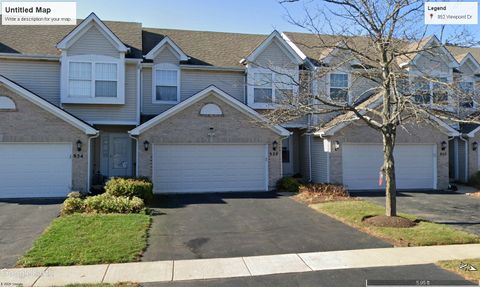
x=211 y=110
x=6 y=104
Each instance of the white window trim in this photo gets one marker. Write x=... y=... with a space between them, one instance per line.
x=165 y=67
x=448 y=76
x=349 y=79
x=93 y=59
x=471 y=79
x=251 y=87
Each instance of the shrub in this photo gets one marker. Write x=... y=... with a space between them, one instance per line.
x=74 y=194
x=321 y=192
x=288 y=184
x=475 y=180
x=73 y=205
x=130 y=187
x=106 y=203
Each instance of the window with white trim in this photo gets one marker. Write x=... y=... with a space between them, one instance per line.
x=166 y=83
x=468 y=90
x=93 y=79
x=265 y=88
x=338 y=87
x=430 y=91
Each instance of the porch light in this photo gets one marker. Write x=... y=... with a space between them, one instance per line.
x=274 y=145
x=474 y=146
x=444 y=145
x=146 y=145
x=79 y=145
x=337 y=145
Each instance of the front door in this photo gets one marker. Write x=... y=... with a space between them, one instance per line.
x=119 y=155
x=287 y=163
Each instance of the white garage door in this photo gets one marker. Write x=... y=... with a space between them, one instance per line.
x=414 y=164
x=35 y=170
x=209 y=168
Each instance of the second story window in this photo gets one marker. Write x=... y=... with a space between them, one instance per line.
x=92 y=79
x=87 y=80
x=431 y=91
x=467 y=89
x=265 y=87
x=166 y=84
x=339 y=87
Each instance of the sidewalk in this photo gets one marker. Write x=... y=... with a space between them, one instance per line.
x=162 y=271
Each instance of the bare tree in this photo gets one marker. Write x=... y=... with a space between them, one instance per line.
x=376 y=41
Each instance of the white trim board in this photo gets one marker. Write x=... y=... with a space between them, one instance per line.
x=87 y=129
x=162 y=44
x=211 y=90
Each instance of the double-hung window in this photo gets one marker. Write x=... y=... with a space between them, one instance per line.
x=267 y=88
x=467 y=89
x=166 y=84
x=92 y=79
x=339 y=87
x=431 y=91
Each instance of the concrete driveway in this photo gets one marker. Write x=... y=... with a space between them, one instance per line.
x=21 y=222
x=452 y=208
x=244 y=224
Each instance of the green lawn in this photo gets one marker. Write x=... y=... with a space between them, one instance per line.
x=352 y=212
x=89 y=239
x=453 y=265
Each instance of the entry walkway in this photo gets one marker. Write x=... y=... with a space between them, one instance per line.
x=178 y=270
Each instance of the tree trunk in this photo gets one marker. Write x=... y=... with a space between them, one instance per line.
x=389 y=171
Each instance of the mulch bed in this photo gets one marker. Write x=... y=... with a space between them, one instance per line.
x=475 y=194
x=318 y=193
x=389 y=221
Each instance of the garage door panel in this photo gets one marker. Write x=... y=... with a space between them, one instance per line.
x=35 y=169
x=414 y=164
x=209 y=168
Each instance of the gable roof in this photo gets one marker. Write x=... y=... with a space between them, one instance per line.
x=204 y=47
x=17 y=40
x=295 y=56
x=210 y=90
x=37 y=100
x=343 y=120
x=158 y=48
x=81 y=28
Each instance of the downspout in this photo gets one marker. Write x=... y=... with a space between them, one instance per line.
x=139 y=92
x=89 y=160
x=466 y=156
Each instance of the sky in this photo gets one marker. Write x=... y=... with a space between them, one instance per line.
x=244 y=16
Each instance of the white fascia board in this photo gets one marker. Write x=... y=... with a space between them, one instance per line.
x=198 y=96
x=274 y=35
x=153 y=53
x=474 y=132
x=447 y=129
x=453 y=62
x=48 y=106
x=66 y=42
x=470 y=57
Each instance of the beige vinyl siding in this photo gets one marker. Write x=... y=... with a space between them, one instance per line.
x=166 y=56
x=93 y=42
x=40 y=77
x=319 y=161
x=114 y=113
x=275 y=56
x=192 y=82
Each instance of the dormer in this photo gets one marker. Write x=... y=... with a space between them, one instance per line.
x=166 y=57
x=92 y=64
x=272 y=71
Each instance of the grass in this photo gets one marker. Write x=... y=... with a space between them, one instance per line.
x=453 y=265
x=89 y=239
x=424 y=233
